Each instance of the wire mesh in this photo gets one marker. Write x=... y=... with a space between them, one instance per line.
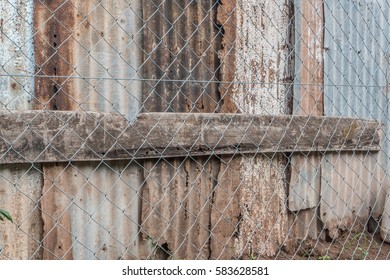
x=117 y=177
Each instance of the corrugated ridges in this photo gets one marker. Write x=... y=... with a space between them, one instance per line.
x=356 y=73
x=94 y=215
x=176 y=208
x=108 y=50
x=181 y=41
x=305 y=180
x=20 y=185
x=91 y=211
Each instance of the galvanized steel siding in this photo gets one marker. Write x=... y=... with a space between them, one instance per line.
x=356 y=82
x=90 y=211
x=20 y=185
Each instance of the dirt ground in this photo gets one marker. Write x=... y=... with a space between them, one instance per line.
x=349 y=246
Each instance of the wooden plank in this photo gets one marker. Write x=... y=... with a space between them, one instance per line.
x=60 y=136
x=305 y=180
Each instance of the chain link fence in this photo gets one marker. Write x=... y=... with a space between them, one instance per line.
x=194 y=129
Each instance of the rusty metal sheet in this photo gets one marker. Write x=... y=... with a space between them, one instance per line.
x=305 y=180
x=91 y=52
x=181 y=41
x=356 y=85
x=91 y=210
x=255 y=59
x=177 y=199
x=20 y=185
x=108 y=50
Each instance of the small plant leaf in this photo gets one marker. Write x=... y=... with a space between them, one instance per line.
x=5 y=214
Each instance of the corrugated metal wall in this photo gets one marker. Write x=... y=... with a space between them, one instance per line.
x=20 y=185
x=92 y=56
x=356 y=72
x=181 y=41
x=90 y=211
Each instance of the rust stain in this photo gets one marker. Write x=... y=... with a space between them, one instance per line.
x=53 y=44
x=312 y=56
x=305 y=181
x=225 y=212
x=57 y=222
x=176 y=206
x=227 y=18
x=176 y=59
x=180 y=190
x=248 y=66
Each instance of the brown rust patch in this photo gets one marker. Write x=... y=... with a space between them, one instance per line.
x=177 y=59
x=312 y=56
x=56 y=217
x=53 y=44
x=227 y=18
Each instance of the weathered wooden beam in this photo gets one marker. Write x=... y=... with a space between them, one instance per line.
x=59 y=136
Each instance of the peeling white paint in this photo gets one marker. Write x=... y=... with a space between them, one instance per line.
x=16 y=54
x=258 y=37
x=261 y=58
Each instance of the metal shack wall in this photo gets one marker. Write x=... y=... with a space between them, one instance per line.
x=356 y=85
x=181 y=41
x=20 y=185
x=90 y=210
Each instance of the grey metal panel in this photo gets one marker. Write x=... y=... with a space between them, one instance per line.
x=356 y=71
x=16 y=55
x=92 y=211
x=20 y=185
x=108 y=49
